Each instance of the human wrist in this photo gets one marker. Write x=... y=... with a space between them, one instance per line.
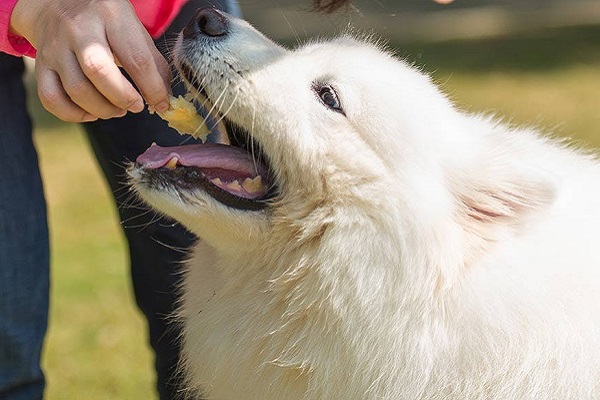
x=10 y=42
x=24 y=17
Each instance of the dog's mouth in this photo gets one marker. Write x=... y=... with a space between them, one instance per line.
x=234 y=171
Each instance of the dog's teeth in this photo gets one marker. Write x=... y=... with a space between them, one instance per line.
x=253 y=185
x=172 y=163
x=235 y=185
x=258 y=183
x=153 y=144
x=247 y=185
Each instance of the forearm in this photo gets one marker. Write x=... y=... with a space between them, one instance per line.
x=15 y=44
x=10 y=42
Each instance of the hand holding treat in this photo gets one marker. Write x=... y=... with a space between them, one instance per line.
x=77 y=43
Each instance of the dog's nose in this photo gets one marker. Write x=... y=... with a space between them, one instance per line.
x=208 y=21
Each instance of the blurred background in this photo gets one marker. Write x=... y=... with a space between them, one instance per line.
x=535 y=62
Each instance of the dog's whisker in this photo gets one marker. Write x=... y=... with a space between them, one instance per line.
x=145 y=212
x=251 y=138
x=144 y=226
x=224 y=113
x=182 y=250
x=186 y=140
x=177 y=80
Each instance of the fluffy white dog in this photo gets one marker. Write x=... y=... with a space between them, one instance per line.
x=361 y=238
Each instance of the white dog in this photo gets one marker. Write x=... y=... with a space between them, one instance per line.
x=361 y=238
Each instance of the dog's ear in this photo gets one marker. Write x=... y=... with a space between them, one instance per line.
x=500 y=197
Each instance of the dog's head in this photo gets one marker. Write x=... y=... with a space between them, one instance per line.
x=336 y=136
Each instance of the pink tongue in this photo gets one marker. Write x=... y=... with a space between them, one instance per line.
x=204 y=156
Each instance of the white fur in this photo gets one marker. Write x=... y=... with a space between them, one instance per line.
x=415 y=251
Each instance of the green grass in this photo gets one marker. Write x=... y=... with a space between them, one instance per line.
x=549 y=79
x=96 y=348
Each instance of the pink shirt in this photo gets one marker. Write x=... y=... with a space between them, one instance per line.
x=156 y=15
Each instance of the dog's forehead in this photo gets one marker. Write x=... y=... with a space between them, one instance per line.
x=353 y=58
x=343 y=49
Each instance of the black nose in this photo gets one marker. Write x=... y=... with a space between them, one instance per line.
x=208 y=21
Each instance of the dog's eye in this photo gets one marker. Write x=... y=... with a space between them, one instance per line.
x=328 y=97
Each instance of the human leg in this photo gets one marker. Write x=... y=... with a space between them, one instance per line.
x=24 y=249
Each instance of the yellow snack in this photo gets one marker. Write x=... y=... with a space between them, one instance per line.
x=183 y=117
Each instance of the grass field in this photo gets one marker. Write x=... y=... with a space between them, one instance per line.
x=96 y=348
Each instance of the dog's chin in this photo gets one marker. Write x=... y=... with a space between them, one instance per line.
x=226 y=229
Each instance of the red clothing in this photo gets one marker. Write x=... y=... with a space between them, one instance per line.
x=156 y=15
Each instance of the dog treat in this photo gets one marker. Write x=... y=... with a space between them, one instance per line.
x=183 y=117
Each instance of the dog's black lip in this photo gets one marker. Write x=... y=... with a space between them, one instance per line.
x=192 y=178
x=190 y=77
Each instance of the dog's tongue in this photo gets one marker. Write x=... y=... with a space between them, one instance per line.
x=210 y=156
x=230 y=168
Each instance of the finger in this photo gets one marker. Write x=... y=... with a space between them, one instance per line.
x=55 y=100
x=98 y=65
x=144 y=63
x=83 y=92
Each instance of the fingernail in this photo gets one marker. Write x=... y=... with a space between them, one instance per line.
x=120 y=113
x=162 y=106
x=137 y=107
x=89 y=118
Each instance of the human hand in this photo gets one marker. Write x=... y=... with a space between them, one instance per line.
x=78 y=44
